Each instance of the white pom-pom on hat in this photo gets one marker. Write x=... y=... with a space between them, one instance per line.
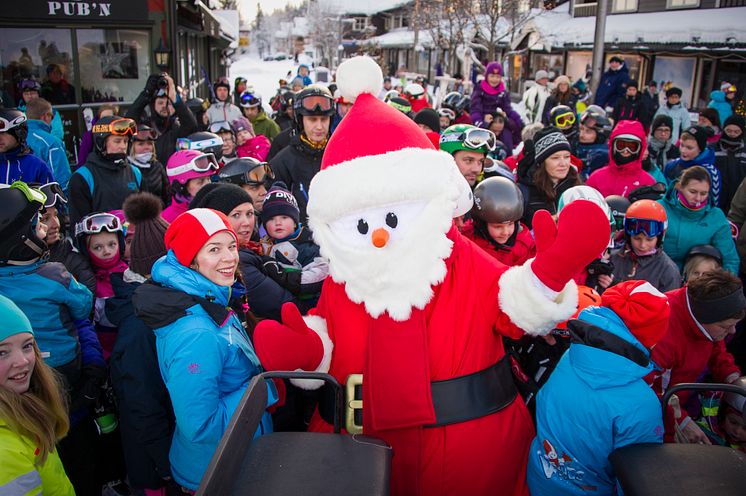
x=359 y=75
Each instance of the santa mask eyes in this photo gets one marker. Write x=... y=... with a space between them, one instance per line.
x=358 y=229
x=392 y=220
x=362 y=227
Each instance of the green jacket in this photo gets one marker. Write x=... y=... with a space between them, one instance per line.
x=20 y=476
x=687 y=228
x=265 y=126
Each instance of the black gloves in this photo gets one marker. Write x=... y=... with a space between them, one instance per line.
x=92 y=379
x=151 y=86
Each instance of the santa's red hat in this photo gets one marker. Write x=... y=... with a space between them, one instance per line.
x=642 y=307
x=377 y=155
x=189 y=232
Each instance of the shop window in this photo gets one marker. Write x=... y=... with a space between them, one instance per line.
x=619 y=6
x=42 y=55
x=552 y=63
x=360 y=24
x=681 y=4
x=676 y=71
x=114 y=64
x=633 y=63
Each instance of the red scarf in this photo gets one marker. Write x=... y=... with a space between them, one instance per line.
x=103 y=269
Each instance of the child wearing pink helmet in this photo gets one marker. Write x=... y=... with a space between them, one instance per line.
x=188 y=171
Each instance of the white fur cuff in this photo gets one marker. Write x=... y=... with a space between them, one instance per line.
x=528 y=307
x=318 y=325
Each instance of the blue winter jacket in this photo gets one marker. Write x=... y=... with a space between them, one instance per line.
x=706 y=159
x=594 y=403
x=593 y=157
x=687 y=228
x=50 y=149
x=612 y=87
x=57 y=130
x=19 y=164
x=719 y=103
x=52 y=300
x=206 y=366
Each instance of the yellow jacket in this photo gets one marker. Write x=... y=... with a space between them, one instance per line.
x=18 y=474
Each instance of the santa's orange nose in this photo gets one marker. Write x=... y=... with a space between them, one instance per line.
x=380 y=237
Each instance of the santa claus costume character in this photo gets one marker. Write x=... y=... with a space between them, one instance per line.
x=418 y=309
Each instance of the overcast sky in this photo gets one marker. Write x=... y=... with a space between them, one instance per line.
x=248 y=7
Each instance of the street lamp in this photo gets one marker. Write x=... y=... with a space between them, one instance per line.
x=162 y=55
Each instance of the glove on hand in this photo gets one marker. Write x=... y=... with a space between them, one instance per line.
x=289 y=345
x=92 y=379
x=580 y=236
x=151 y=86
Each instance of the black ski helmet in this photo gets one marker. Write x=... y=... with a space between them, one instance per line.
x=595 y=118
x=19 y=244
x=111 y=124
x=13 y=122
x=312 y=100
x=237 y=171
x=497 y=200
x=618 y=205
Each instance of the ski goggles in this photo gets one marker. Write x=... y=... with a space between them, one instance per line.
x=97 y=223
x=565 y=120
x=31 y=194
x=446 y=112
x=53 y=192
x=29 y=85
x=631 y=145
x=259 y=176
x=6 y=125
x=119 y=127
x=249 y=100
x=220 y=127
x=201 y=163
x=648 y=227
x=477 y=138
x=187 y=144
x=145 y=135
x=316 y=103
x=401 y=107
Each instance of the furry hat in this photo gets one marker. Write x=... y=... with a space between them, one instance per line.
x=143 y=212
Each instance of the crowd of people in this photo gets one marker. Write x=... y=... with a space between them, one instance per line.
x=132 y=282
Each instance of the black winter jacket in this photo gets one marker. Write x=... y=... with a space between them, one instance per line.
x=295 y=166
x=280 y=142
x=155 y=180
x=76 y=264
x=631 y=109
x=179 y=125
x=264 y=295
x=145 y=413
x=732 y=167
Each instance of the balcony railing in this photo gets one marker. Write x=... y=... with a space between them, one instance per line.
x=584 y=9
x=731 y=3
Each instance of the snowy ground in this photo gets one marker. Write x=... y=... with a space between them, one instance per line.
x=263 y=76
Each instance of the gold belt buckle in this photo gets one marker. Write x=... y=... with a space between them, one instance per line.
x=352 y=404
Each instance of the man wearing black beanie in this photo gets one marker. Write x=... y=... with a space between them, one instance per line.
x=730 y=159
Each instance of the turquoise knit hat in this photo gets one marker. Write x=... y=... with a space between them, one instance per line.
x=12 y=320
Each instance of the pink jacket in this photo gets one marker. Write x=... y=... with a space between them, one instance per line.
x=257 y=147
x=616 y=179
x=175 y=209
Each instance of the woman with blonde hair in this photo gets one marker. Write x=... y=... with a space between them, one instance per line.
x=33 y=413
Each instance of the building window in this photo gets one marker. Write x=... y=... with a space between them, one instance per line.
x=114 y=64
x=360 y=24
x=624 y=6
x=681 y=4
x=44 y=55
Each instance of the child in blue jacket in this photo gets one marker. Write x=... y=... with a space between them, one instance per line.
x=596 y=400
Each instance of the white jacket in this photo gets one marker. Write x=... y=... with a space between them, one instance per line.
x=223 y=111
x=534 y=100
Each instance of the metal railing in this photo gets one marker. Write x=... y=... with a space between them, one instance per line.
x=584 y=9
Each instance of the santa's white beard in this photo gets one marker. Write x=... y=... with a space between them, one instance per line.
x=399 y=276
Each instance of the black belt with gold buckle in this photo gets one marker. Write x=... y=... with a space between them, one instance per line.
x=455 y=400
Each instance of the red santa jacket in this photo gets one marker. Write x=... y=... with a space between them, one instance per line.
x=523 y=248
x=482 y=456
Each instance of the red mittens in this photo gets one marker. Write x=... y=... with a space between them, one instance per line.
x=563 y=250
x=289 y=345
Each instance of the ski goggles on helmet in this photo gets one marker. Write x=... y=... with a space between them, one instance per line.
x=53 y=192
x=97 y=223
x=259 y=176
x=250 y=100
x=446 y=112
x=631 y=145
x=187 y=144
x=649 y=227
x=145 y=135
x=220 y=127
x=6 y=125
x=31 y=194
x=119 y=127
x=29 y=85
x=316 y=103
x=477 y=138
x=565 y=120
x=201 y=163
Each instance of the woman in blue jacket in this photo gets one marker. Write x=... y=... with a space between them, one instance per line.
x=204 y=354
x=694 y=220
x=596 y=400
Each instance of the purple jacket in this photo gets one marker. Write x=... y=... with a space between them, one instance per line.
x=485 y=99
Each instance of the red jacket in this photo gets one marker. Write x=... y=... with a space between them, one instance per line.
x=684 y=352
x=523 y=249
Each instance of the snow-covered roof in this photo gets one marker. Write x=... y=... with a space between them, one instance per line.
x=363 y=7
x=297 y=27
x=400 y=37
x=229 y=23
x=702 y=26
